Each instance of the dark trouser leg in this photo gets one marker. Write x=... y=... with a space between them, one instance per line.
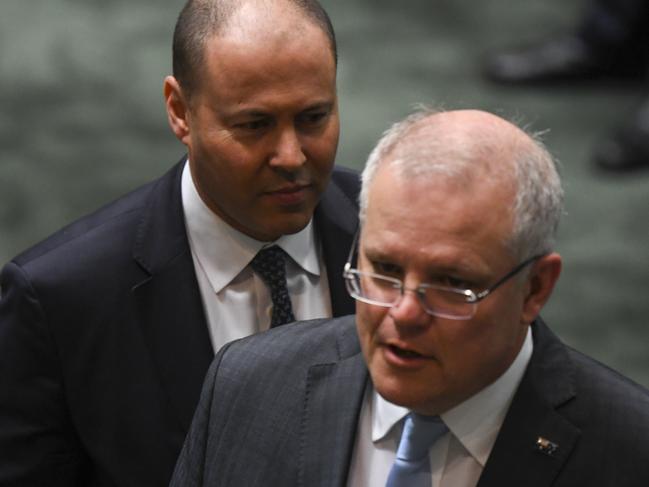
x=617 y=28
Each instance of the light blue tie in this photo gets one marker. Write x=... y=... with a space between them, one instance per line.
x=411 y=467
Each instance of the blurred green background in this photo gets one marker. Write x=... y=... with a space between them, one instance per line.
x=82 y=121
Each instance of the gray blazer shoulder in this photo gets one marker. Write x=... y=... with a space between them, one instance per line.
x=246 y=430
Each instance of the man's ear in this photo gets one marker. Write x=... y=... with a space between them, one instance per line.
x=540 y=283
x=177 y=109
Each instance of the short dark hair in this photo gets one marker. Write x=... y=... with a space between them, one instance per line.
x=200 y=19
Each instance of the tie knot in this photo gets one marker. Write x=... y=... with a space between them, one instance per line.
x=270 y=265
x=419 y=434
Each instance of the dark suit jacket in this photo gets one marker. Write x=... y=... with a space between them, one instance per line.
x=104 y=344
x=281 y=409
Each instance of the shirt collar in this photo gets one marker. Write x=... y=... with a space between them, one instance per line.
x=476 y=421
x=223 y=252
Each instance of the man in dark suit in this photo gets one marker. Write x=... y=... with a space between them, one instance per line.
x=108 y=327
x=446 y=375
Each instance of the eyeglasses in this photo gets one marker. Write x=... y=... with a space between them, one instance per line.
x=440 y=301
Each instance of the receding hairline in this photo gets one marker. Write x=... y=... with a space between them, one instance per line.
x=270 y=9
x=471 y=135
x=202 y=21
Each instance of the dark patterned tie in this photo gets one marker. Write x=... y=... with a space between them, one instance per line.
x=411 y=466
x=270 y=264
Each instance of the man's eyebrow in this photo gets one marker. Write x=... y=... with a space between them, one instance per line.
x=433 y=269
x=319 y=106
x=247 y=112
x=380 y=256
x=259 y=112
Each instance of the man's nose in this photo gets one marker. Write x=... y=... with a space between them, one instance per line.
x=288 y=153
x=409 y=310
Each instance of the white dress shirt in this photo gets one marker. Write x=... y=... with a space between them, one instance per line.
x=457 y=458
x=236 y=301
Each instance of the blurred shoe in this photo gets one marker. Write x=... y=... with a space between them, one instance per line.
x=628 y=149
x=564 y=59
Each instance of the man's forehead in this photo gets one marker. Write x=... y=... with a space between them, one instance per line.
x=444 y=217
x=435 y=257
x=449 y=183
x=252 y=69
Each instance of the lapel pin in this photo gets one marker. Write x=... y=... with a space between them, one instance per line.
x=546 y=446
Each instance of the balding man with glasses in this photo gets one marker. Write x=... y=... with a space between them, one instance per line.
x=446 y=376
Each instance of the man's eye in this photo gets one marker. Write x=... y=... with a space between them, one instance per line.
x=313 y=118
x=386 y=269
x=253 y=125
x=454 y=282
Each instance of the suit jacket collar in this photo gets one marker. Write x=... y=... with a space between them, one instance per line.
x=336 y=220
x=161 y=235
x=334 y=398
x=536 y=439
x=168 y=300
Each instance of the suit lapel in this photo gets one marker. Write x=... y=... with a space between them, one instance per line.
x=336 y=219
x=168 y=301
x=333 y=402
x=535 y=439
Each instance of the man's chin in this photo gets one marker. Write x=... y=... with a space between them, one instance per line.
x=407 y=394
x=286 y=224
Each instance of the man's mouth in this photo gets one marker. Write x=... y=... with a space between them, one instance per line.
x=403 y=353
x=289 y=188
x=290 y=194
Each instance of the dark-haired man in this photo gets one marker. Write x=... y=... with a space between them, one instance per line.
x=107 y=327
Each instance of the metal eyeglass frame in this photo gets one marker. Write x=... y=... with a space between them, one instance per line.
x=471 y=296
